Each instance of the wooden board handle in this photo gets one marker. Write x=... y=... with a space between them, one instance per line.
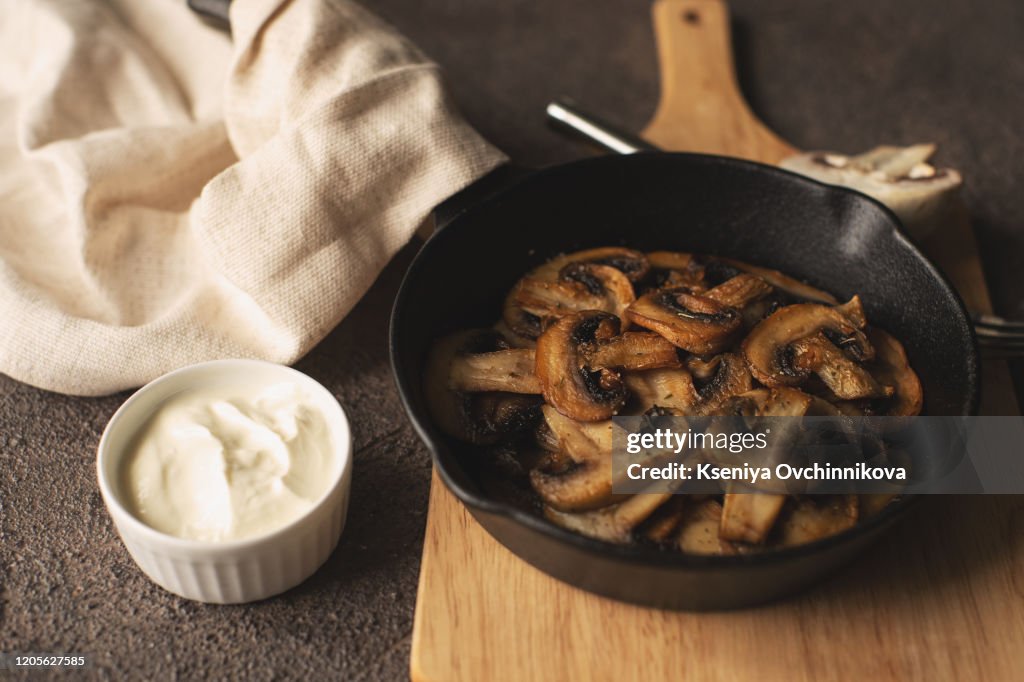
x=701 y=107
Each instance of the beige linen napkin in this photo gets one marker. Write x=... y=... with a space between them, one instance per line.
x=169 y=195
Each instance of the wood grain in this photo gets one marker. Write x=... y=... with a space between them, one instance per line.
x=940 y=598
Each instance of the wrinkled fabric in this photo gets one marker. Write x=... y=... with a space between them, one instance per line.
x=170 y=195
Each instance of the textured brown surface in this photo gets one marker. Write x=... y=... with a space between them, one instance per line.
x=841 y=75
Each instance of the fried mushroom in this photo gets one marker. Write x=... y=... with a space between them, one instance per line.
x=569 y=383
x=578 y=476
x=675 y=269
x=784 y=283
x=612 y=524
x=508 y=370
x=769 y=351
x=480 y=418
x=634 y=351
x=749 y=516
x=675 y=390
x=892 y=368
x=846 y=379
x=812 y=518
x=535 y=303
x=695 y=323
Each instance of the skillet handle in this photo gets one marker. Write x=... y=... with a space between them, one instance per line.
x=496 y=181
x=564 y=116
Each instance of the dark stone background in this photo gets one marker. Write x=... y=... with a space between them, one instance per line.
x=842 y=75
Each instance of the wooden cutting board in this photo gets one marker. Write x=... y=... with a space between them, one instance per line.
x=941 y=597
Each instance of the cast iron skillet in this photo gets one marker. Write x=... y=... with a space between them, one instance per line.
x=838 y=240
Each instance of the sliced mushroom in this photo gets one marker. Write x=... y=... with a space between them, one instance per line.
x=720 y=378
x=504 y=370
x=772 y=402
x=632 y=264
x=853 y=310
x=846 y=379
x=560 y=286
x=793 y=287
x=695 y=323
x=890 y=367
x=699 y=530
x=768 y=347
x=816 y=517
x=476 y=418
x=663 y=525
x=613 y=524
x=634 y=351
x=533 y=303
x=675 y=269
x=667 y=388
x=739 y=291
x=749 y=516
x=576 y=389
x=579 y=476
x=899 y=177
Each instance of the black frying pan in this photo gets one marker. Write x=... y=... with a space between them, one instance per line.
x=836 y=239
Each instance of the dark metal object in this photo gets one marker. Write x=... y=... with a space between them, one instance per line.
x=565 y=116
x=836 y=239
x=999 y=336
x=214 y=12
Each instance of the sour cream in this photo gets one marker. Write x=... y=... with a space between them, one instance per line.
x=230 y=462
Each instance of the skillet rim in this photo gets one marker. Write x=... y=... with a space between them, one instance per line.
x=654 y=557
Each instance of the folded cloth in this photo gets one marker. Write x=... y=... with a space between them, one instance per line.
x=169 y=195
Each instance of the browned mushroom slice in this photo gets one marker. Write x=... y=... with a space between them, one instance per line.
x=739 y=291
x=663 y=525
x=749 y=516
x=635 y=351
x=719 y=379
x=534 y=303
x=784 y=283
x=577 y=390
x=891 y=368
x=632 y=264
x=675 y=269
x=579 y=476
x=813 y=518
x=667 y=388
x=775 y=402
x=612 y=524
x=846 y=379
x=768 y=346
x=853 y=310
x=695 y=323
x=698 y=530
x=477 y=418
x=504 y=370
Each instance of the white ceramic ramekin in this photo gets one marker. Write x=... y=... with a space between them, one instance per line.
x=235 y=571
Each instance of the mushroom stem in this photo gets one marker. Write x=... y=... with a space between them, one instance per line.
x=503 y=370
x=845 y=378
x=634 y=351
x=749 y=517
